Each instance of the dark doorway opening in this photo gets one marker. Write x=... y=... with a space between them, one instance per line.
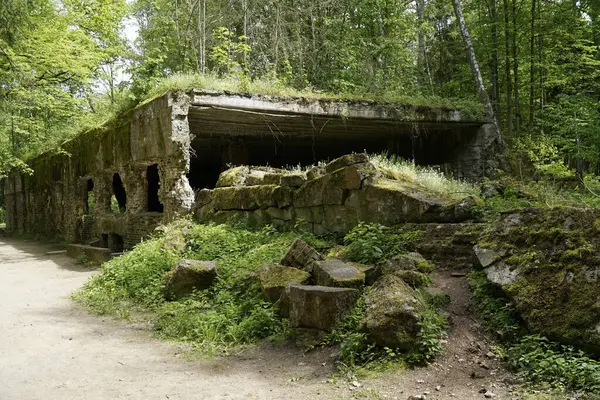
x=119 y=192
x=89 y=198
x=115 y=243
x=206 y=163
x=153 y=180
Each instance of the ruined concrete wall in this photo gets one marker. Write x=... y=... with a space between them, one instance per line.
x=54 y=200
x=326 y=200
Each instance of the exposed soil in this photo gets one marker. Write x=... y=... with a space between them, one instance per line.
x=51 y=349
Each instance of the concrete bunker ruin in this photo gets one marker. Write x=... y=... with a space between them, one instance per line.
x=114 y=185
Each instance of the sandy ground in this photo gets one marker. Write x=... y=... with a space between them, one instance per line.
x=50 y=349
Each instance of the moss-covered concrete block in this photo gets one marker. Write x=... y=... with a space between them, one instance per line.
x=346 y=160
x=244 y=197
x=275 y=278
x=392 y=314
x=293 y=180
x=319 y=307
x=187 y=276
x=336 y=273
x=301 y=255
x=233 y=177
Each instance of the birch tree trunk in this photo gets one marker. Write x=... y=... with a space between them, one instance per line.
x=482 y=94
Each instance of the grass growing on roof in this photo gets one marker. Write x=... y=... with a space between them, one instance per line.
x=230 y=313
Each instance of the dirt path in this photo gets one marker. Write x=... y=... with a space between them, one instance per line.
x=50 y=349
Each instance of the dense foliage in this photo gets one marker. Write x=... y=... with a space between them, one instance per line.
x=532 y=356
x=65 y=65
x=232 y=312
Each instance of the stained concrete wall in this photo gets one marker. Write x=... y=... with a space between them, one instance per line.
x=331 y=199
x=193 y=137
x=53 y=201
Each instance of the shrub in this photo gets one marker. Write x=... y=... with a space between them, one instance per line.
x=230 y=313
x=371 y=243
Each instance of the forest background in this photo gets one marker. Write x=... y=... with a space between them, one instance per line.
x=66 y=66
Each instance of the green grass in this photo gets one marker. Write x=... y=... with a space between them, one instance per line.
x=230 y=314
x=430 y=179
x=185 y=82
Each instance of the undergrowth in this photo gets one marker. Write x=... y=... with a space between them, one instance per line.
x=231 y=313
x=534 y=357
x=356 y=351
x=370 y=243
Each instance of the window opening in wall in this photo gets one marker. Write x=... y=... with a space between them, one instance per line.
x=90 y=198
x=153 y=180
x=115 y=243
x=118 y=202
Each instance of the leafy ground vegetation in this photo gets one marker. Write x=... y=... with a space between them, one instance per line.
x=233 y=312
x=540 y=361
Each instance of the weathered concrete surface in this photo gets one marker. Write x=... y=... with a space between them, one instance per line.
x=53 y=351
x=331 y=202
x=91 y=253
x=190 y=137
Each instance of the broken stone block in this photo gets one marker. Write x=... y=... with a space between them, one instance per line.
x=393 y=313
x=244 y=197
x=233 y=177
x=346 y=160
x=293 y=180
x=272 y=178
x=485 y=257
x=203 y=197
x=413 y=278
x=315 y=172
x=275 y=278
x=336 y=273
x=406 y=262
x=187 y=276
x=318 y=192
x=301 y=255
x=319 y=307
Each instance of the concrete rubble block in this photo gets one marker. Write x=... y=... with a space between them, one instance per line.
x=233 y=177
x=467 y=208
x=187 y=276
x=391 y=202
x=405 y=262
x=293 y=180
x=315 y=172
x=283 y=196
x=244 y=198
x=272 y=178
x=203 y=197
x=346 y=160
x=336 y=273
x=317 y=192
x=284 y=214
x=275 y=278
x=393 y=313
x=319 y=307
x=97 y=255
x=309 y=214
x=485 y=257
x=301 y=255
x=339 y=218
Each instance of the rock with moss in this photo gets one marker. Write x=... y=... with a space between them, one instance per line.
x=274 y=278
x=406 y=262
x=233 y=177
x=301 y=255
x=336 y=273
x=393 y=313
x=547 y=264
x=188 y=276
x=319 y=307
x=346 y=160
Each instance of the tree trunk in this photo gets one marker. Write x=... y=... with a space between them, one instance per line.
x=482 y=94
x=494 y=67
x=509 y=112
x=532 y=66
x=515 y=68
